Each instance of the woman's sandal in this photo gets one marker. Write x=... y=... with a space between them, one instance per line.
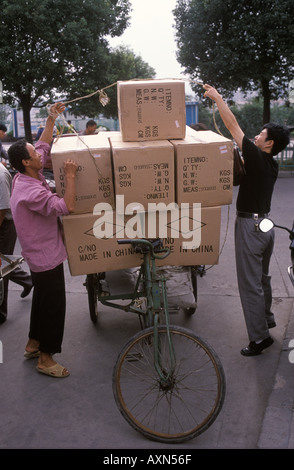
x=54 y=371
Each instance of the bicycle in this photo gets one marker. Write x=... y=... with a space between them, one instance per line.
x=266 y=225
x=168 y=383
x=7 y=265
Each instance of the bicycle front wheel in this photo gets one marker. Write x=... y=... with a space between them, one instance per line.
x=183 y=408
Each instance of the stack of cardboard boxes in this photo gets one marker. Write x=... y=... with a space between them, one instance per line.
x=156 y=177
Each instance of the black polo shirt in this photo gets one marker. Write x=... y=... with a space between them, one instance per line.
x=256 y=188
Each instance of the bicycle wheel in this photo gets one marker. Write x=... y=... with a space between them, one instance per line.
x=91 y=283
x=191 y=401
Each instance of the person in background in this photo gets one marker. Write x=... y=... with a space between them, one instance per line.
x=70 y=129
x=39 y=133
x=91 y=127
x=36 y=211
x=200 y=126
x=7 y=242
x=253 y=249
x=3 y=153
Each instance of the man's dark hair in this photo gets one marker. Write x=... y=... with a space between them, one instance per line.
x=91 y=123
x=3 y=127
x=18 y=152
x=279 y=134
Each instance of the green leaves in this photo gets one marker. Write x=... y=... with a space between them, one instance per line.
x=47 y=45
x=237 y=44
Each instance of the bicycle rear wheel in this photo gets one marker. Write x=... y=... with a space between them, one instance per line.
x=185 y=407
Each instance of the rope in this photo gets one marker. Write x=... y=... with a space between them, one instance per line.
x=104 y=100
x=228 y=215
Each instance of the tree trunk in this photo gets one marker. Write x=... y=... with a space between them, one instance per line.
x=266 y=101
x=26 y=109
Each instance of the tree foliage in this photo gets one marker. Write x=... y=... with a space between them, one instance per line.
x=48 y=46
x=249 y=116
x=238 y=45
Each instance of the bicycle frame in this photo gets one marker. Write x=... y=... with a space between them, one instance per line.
x=154 y=287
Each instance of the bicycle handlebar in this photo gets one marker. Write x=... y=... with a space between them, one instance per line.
x=150 y=245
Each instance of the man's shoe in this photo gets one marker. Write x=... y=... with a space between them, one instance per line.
x=254 y=349
x=26 y=291
x=271 y=324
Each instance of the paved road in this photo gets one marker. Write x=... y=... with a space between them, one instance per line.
x=79 y=412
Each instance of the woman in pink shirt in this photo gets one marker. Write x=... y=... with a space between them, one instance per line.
x=36 y=211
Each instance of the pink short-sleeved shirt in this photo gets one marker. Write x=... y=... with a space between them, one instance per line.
x=36 y=212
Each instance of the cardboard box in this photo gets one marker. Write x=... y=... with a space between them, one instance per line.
x=151 y=109
x=89 y=253
x=94 y=180
x=143 y=172
x=204 y=168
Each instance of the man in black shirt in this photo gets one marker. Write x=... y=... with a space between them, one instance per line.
x=253 y=249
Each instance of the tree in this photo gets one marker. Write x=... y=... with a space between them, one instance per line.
x=238 y=45
x=123 y=64
x=48 y=45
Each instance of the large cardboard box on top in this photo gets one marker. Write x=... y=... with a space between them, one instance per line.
x=94 y=180
x=204 y=168
x=143 y=172
x=89 y=253
x=151 y=109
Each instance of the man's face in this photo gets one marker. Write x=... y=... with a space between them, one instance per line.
x=261 y=142
x=2 y=134
x=91 y=129
x=35 y=161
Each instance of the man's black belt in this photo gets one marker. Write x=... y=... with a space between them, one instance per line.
x=251 y=215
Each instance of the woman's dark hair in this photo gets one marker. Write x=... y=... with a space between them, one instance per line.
x=18 y=152
x=279 y=134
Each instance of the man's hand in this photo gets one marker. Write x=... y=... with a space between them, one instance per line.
x=226 y=114
x=70 y=167
x=56 y=109
x=211 y=92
